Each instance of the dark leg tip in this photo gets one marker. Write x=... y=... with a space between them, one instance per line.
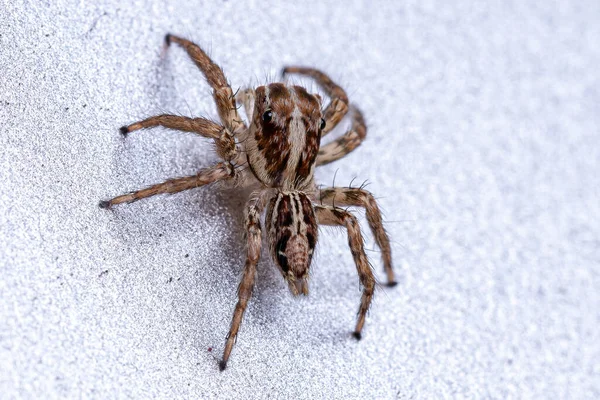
x=357 y=335
x=168 y=39
x=124 y=130
x=104 y=204
x=391 y=284
x=284 y=71
x=222 y=365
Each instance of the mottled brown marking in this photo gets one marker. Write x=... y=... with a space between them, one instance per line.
x=272 y=136
x=311 y=117
x=324 y=193
x=281 y=100
x=270 y=210
x=292 y=244
x=354 y=196
x=311 y=223
x=281 y=256
x=284 y=213
x=338 y=107
x=309 y=105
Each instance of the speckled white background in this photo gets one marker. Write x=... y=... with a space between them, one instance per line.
x=483 y=150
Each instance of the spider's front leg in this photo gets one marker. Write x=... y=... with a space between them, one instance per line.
x=337 y=217
x=345 y=143
x=222 y=92
x=253 y=239
x=224 y=141
x=362 y=198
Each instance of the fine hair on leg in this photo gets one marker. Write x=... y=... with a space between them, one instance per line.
x=362 y=198
x=222 y=93
x=224 y=141
x=253 y=243
x=327 y=215
x=219 y=172
x=347 y=142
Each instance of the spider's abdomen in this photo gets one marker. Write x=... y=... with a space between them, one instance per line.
x=285 y=135
x=292 y=234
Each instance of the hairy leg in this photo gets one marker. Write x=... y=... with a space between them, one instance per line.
x=345 y=144
x=338 y=107
x=337 y=217
x=361 y=198
x=219 y=172
x=222 y=92
x=223 y=139
x=253 y=243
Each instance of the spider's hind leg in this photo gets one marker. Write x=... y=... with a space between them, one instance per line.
x=253 y=238
x=337 y=217
x=206 y=176
x=362 y=198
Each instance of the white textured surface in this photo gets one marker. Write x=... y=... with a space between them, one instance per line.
x=483 y=149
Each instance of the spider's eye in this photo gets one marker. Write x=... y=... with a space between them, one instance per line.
x=322 y=124
x=267 y=116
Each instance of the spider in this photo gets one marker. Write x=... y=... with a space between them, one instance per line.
x=276 y=156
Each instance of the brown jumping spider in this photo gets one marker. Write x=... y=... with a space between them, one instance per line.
x=276 y=155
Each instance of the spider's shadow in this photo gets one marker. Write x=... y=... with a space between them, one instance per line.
x=139 y=225
x=136 y=225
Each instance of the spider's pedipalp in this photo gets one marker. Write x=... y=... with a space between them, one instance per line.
x=246 y=97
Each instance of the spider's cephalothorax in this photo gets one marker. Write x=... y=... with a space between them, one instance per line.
x=276 y=156
x=284 y=137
